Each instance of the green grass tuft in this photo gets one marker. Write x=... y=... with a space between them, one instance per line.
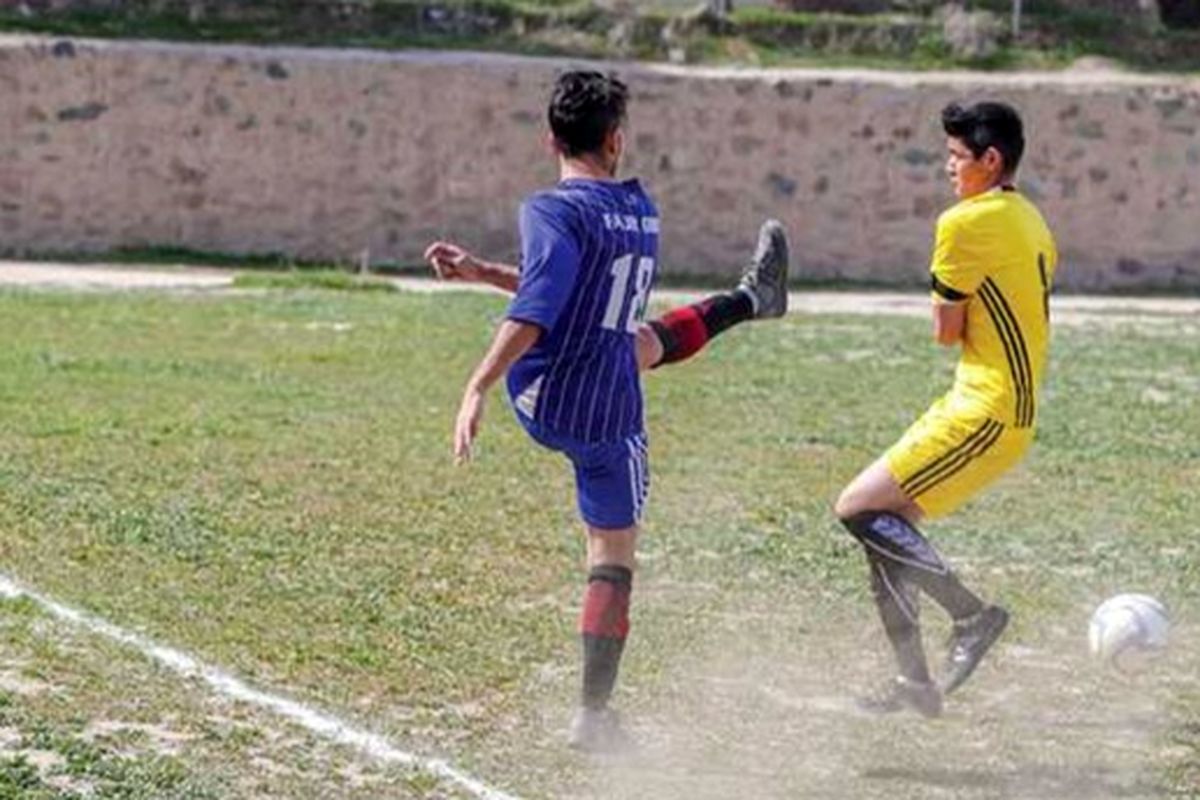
x=322 y=279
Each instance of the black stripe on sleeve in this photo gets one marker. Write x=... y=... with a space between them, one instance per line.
x=1005 y=336
x=946 y=292
x=1008 y=337
x=1022 y=354
x=1045 y=285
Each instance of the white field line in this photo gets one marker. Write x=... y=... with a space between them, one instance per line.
x=320 y=723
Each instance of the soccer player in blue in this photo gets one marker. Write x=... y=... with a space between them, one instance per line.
x=573 y=344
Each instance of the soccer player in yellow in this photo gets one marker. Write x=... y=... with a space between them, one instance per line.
x=993 y=262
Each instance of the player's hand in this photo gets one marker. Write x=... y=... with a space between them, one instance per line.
x=453 y=263
x=466 y=426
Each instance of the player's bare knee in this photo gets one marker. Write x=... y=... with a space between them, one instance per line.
x=616 y=547
x=847 y=505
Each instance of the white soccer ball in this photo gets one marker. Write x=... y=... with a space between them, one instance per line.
x=1128 y=630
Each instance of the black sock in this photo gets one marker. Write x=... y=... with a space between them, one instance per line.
x=601 y=660
x=898 y=610
x=892 y=537
x=949 y=593
x=722 y=311
x=603 y=627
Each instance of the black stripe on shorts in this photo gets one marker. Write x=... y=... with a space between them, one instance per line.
x=941 y=460
x=952 y=467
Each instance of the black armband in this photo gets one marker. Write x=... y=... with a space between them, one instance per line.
x=946 y=292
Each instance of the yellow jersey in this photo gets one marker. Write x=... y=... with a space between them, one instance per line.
x=995 y=253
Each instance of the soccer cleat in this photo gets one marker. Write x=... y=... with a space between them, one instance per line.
x=598 y=731
x=902 y=693
x=765 y=278
x=971 y=639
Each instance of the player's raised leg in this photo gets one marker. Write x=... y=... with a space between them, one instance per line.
x=761 y=293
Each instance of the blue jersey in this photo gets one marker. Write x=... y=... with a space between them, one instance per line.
x=589 y=253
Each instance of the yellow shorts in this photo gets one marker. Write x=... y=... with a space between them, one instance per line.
x=951 y=453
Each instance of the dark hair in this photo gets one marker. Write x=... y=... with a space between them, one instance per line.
x=985 y=125
x=584 y=108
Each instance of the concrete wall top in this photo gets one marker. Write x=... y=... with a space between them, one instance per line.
x=325 y=153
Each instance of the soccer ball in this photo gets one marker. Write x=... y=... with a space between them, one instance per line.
x=1128 y=630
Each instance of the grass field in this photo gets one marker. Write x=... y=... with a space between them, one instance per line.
x=262 y=478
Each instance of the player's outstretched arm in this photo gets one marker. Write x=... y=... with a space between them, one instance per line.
x=513 y=338
x=452 y=262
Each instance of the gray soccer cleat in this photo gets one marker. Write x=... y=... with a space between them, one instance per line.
x=903 y=693
x=765 y=278
x=598 y=731
x=970 y=640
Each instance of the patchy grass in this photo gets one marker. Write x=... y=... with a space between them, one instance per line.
x=313 y=279
x=264 y=480
x=82 y=719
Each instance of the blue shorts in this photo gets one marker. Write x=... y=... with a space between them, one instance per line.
x=612 y=479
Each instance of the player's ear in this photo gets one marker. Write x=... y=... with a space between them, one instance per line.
x=614 y=143
x=552 y=145
x=993 y=161
x=614 y=148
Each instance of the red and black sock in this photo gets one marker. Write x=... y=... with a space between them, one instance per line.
x=684 y=331
x=603 y=626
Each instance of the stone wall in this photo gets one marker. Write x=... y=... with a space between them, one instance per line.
x=322 y=154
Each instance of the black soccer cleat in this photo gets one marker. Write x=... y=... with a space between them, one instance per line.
x=598 y=731
x=903 y=693
x=971 y=639
x=765 y=278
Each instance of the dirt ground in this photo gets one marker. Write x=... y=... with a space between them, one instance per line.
x=1069 y=310
x=765 y=714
